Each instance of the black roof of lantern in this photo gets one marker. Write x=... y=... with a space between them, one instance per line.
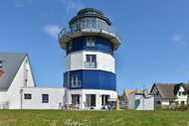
x=90 y=12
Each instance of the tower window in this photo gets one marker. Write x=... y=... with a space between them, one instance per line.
x=90 y=61
x=28 y=96
x=91 y=58
x=75 y=81
x=90 y=42
x=45 y=98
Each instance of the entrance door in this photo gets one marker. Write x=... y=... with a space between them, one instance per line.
x=91 y=100
x=75 y=99
x=105 y=100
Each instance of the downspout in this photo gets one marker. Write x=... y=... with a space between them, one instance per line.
x=21 y=92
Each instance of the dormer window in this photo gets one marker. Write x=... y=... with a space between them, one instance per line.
x=180 y=93
x=1 y=64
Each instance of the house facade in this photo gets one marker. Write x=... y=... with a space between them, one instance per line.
x=170 y=94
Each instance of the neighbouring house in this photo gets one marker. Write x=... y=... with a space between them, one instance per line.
x=140 y=100
x=170 y=94
x=18 y=89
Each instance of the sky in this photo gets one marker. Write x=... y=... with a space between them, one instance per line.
x=154 y=34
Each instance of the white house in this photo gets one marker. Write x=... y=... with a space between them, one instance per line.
x=170 y=94
x=18 y=89
x=140 y=101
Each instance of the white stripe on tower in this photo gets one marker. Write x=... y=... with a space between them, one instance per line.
x=76 y=61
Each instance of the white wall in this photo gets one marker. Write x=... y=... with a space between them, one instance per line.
x=13 y=94
x=131 y=101
x=146 y=103
x=56 y=96
x=29 y=75
x=164 y=102
x=3 y=100
x=76 y=61
x=139 y=102
x=182 y=97
x=98 y=93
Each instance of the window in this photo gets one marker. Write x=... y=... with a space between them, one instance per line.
x=90 y=100
x=75 y=81
x=180 y=93
x=90 y=61
x=93 y=23
x=158 y=102
x=75 y=99
x=45 y=98
x=184 y=93
x=1 y=64
x=105 y=99
x=28 y=96
x=91 y=58
x=90 y=42
x=182 y=102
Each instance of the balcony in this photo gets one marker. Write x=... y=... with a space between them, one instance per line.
x=90 y=65
x=105 y=31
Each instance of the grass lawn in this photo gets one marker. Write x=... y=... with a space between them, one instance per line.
x=93 y=118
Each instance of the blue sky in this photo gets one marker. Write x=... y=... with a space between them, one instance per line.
x=155 y=38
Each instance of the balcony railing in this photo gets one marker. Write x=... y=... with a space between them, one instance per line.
x=84 y=28
x=90 y=65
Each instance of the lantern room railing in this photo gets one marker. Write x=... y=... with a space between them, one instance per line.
x=88 y=27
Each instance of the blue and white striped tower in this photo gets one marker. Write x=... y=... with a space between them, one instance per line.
x=89 y=75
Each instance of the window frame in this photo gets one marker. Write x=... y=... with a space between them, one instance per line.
x=27 y=96
x=45 y=100
x=91 y=57
x=75 y=81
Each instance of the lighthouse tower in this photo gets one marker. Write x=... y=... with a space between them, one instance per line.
x=89 y=76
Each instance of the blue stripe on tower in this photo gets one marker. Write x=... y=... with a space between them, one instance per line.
x=101 y=44
x=91 y=79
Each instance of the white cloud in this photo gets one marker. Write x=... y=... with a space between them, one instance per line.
x=22 y=3
x=52 y=30
x=180 y=40
x=72 y=5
